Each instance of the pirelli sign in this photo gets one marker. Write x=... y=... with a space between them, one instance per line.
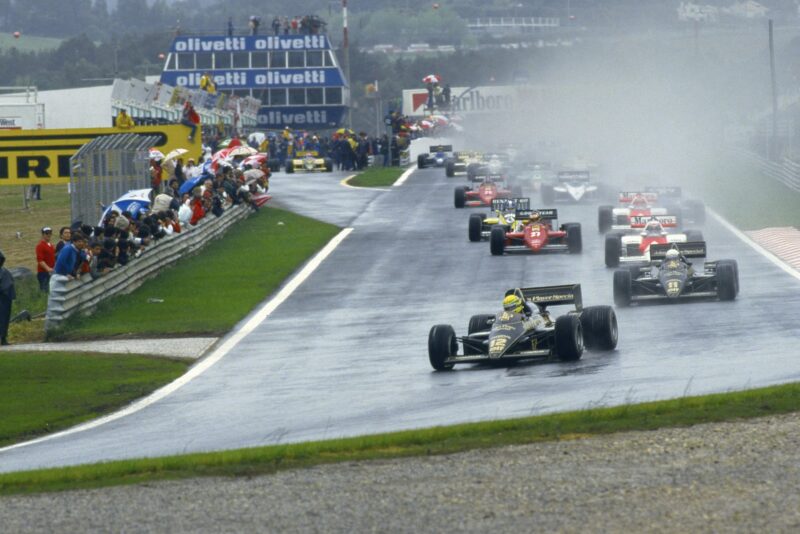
x=30 y=157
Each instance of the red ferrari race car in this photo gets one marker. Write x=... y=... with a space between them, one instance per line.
x=482 y=195
x=536 y=231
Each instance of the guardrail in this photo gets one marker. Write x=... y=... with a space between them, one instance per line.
x=69 y=297
x=786 y=171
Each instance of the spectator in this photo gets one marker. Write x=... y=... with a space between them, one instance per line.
x=285 y=25
x=254 y=23
x=95 y=265
x=295 y=24
x=45 y=259
x=196 y=205
x=230 y=26
x=124 y=121
x=207 y=84
x=7 y=296
x=276 y=25
x=64 y=237
x=71 y=257
x=190 y=118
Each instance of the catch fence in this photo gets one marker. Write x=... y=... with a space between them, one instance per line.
x=105 y=169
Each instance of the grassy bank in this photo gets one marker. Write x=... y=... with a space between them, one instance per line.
x=377 y=177
x=210 y=292
x=441 y=440
x=740 y=191
x=43 y=392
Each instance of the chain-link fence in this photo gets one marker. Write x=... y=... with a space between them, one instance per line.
x=105 y=169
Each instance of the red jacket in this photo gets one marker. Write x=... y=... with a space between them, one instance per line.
x=45 y=252
x=197 y=211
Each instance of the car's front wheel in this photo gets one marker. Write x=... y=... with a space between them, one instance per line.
x=442 y=345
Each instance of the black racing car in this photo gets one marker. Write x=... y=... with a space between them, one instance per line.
x=672 y=278
x=529 y=335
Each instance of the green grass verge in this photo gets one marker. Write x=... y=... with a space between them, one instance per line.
x=377 y=177
x=43 y=392
x=741 y=192
x=440 y=440
x=229 y=277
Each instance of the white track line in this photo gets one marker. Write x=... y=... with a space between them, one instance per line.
x=404 y=176
x=219 y=353
x=755 y=246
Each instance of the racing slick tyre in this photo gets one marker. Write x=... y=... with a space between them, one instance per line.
x=460 y=198
x=548 y=194
x=569 y=338
x=497 y=240
x=605 y=215
x=477 y=323
x=421 y=161
x=694 y=235
x=441 y=345
x=735 y=270
x=697 y=211
x=475 y=227
x=726 y=280
x=289 y=167
x=574 y=240
x=450 y=169
x=622 y=287
x=600 y=330
x=328 y=165
x=613 y=250
x=472 y=170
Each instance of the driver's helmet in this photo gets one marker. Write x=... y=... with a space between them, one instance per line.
x=672 y=255
x=512 y=303
x=535 y=217
x=653 y=228
x=639 y=202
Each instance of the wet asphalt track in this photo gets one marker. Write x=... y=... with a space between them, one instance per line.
x=347 y=353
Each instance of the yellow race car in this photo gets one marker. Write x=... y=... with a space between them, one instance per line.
x=308 y=161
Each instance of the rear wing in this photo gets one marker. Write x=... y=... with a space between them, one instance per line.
x=667 y=221
x=626 y=197
x=666 y=191
x=573 y=176
x=511 y=204
x=433 y=149
x=551 y=295
x=690 y=249
x=304 y=153
x=550 y=214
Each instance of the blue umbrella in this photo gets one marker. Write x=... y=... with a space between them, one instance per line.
x=134 y=201
x=191 y=183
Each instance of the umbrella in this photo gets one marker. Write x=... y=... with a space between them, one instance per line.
x=134 y=201
x=252 y=175
x=345 y=131
x=175 y=153
x=432 y=78
x=155 y=154
x=426 y=125
x=191 y=183
x=255 y=160
x=241 y=150
x=439 y=120
x=229 y=142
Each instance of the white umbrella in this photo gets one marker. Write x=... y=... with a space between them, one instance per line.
x=242 y=150
x=256 y=138
x=155 y=154
x=175 y=153
x=252 y=175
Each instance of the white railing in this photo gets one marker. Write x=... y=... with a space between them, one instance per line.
x=514 y=22
x=786 y=171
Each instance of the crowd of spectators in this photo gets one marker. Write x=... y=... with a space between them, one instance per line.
x=298 y=25
x=122 y=236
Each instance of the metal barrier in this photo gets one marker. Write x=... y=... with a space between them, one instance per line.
x=105 y=169
x=786 y=171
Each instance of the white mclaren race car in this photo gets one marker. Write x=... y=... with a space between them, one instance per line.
x=635 y=211
x=635 y=248
x=571 y=186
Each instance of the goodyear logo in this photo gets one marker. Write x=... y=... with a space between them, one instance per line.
x=43 y=156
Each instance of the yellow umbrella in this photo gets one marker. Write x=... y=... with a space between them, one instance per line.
x=345 y=131
x=175 y=153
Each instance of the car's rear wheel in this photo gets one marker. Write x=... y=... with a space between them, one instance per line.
x=613 y=250
x=726 y=280
x=599 y=327
x=328 y=165
x=475 y=227
x=421 y=161
x=697 y=209
x=694 y=235
x=442 y=345
x=289 y=167
x=274 y=165
x=623 y=288
x=450 y=169
x=569 y=338
x=516 y=191
x=605 y=215
x=460 y=199
x=574 y=240
x=497 y=241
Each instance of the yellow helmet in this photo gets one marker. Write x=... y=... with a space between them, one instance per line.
x=512 y=303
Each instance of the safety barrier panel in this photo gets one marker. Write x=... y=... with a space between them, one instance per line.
x=786 y=171
x=69 y=297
